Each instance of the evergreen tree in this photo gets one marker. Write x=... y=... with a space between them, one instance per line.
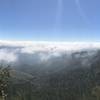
x=4 y=81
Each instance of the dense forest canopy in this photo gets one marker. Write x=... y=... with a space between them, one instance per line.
x=73 y=76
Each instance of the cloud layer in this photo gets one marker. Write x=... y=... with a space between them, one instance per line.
x=33 y=52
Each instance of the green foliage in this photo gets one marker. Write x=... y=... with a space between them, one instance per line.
x=96 y=92
x=81 y=83
x=4 y=81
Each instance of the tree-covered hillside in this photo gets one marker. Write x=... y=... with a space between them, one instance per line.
x=77 y=80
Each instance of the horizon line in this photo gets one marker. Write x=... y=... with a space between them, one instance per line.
x=49 y=41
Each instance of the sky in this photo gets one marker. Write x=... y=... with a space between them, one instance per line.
x=50 y=20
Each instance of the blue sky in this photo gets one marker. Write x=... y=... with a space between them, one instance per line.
x=50 y=20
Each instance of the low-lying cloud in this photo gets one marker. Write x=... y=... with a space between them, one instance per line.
x=45 y=53
x=5 y=55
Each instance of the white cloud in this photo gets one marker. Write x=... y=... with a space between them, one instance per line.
x=7 y=56
x=30 y=46
x=10 y=50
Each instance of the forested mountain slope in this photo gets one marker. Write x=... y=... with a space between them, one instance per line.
x=75 y=77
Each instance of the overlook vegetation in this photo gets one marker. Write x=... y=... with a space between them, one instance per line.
x=79 y=83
